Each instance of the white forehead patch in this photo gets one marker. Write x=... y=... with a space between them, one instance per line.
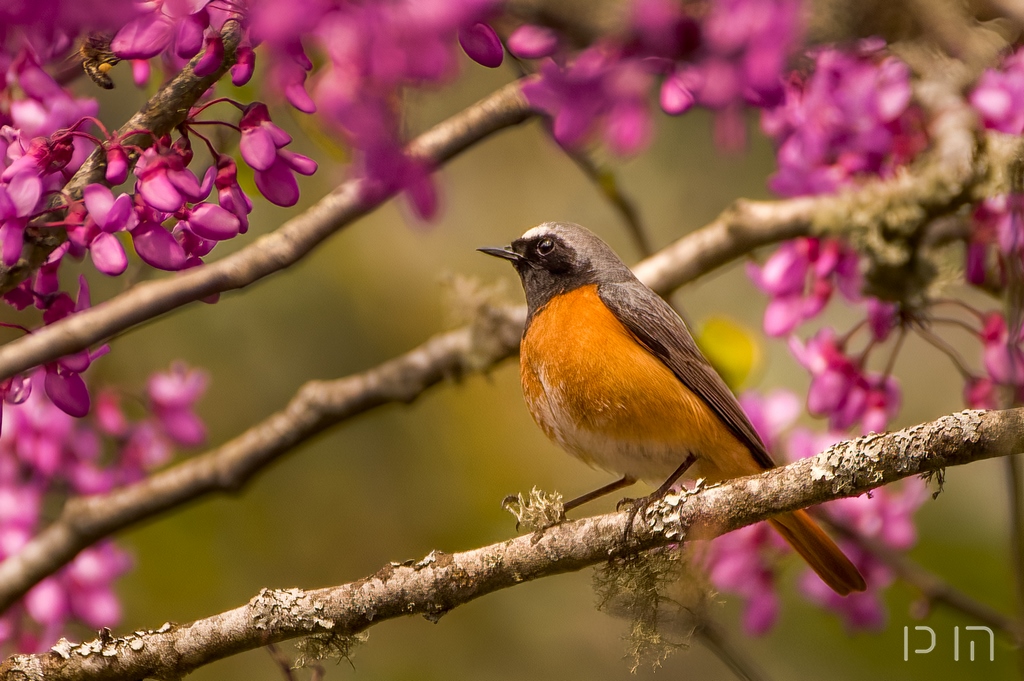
x=540 y=230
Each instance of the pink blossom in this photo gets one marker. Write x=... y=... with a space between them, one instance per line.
x=481 y=44
x=532 y=42
x=800 y=277
x=852 y=116
x=743 y=562
x=1004 y=359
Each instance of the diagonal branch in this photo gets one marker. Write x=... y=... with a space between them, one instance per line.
x=318 y=405
x=441 y=582
x=268 y=254
x=933 y=588
x=744 y=227
x=166 y=110
x=315 y=407
x=939 y=183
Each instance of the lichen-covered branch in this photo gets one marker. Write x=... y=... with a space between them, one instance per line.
x=441 y=581
x=740 y=230
x=166 y=110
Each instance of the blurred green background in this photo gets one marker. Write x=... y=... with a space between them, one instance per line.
x=402 y=480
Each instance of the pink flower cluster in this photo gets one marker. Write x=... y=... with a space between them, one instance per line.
x=1002 y=354
x=998 y=96
x=170 y=214
x=800 y=277
x=852 y=116
x=45 y=454
x=373 y=51
x=734 y=56
x=747 y=562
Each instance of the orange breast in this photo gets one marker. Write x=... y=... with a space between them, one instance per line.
x=606 y=399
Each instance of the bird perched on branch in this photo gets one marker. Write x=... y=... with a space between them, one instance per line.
x=612 y=375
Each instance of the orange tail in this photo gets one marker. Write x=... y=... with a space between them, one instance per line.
x=820 y=552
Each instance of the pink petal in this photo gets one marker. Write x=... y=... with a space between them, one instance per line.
x=140 y=72
x=144 y=37
x=532 y=42
x=210 y=221
x=278 y=184
x=189 y=38
x=78 y=362
x=187 y=183
x=674 y=98
x=24 y=190
x=183 y=427
x=108 y=254
x=12 y=234
x=782 y=315
x=98 y=201
x=47 y=602
x=67 y=391
x=628 y=128
x=157 y=247
x=212 y=58
x=423 y=196
x=241 y=72
x=97 y=608
x=257 y=147
x=482 y=45
x=299 y=98
x=158 y=191
x=178 y=9
x=117 y=166
x=760 y=614
x=303 y=165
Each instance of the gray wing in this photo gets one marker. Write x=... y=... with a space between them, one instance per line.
x=661 y=331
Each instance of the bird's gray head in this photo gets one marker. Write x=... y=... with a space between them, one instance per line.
x=558 y=257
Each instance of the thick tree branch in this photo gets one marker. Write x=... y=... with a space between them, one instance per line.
x=166 y=110
x=741 y=229
x=441 y=582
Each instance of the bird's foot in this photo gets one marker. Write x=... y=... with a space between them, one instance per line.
x=636 y=507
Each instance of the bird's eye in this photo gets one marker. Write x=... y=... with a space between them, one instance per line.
x=545 y=246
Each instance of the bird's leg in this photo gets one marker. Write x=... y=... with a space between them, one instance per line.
x=626 y=481
x=636 y=505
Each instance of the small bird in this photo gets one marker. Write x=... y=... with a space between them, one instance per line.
x=612 y=375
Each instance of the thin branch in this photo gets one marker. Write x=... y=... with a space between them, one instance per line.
x=441 y=581
x=166 y=110
x=715 y=638
x=932 y=587
x=606 y=182
x=283 y=663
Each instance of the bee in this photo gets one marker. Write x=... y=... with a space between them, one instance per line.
x=97 y=59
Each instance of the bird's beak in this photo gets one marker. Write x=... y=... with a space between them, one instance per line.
x=501 y=253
